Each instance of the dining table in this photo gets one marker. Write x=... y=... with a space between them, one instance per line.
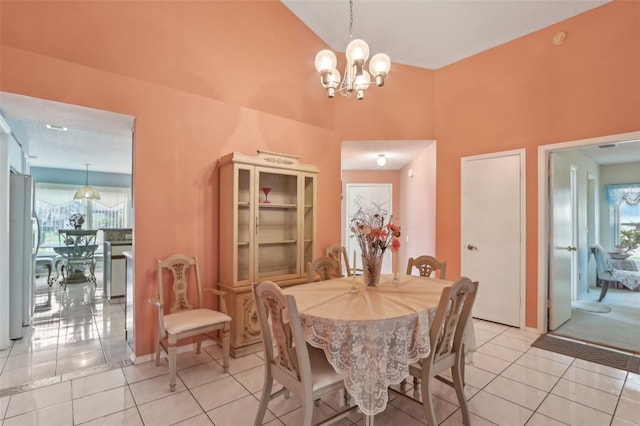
x=625 y=272
x=371 y=334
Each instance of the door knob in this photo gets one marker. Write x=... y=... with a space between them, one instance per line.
x=571 y=248
x=471 y=247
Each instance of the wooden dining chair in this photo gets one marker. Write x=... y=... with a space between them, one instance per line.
x=185 y=318
x=324 y=267
x=297 y=366
x=426 y=266
x=339 y=253
x=447 y=350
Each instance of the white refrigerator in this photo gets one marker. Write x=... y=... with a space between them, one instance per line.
x=24 y=238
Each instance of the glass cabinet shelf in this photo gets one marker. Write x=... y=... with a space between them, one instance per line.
x=277 y=206
x=264 y=243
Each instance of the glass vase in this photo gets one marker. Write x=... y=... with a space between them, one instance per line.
x=371 y=266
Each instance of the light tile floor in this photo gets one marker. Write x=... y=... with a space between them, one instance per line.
x=510 y=383
x=71 y=330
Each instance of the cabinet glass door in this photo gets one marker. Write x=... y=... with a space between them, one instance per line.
x=277 y=225
x=309 y=225
x=244 y=225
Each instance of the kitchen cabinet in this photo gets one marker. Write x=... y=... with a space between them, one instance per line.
x=267 y=232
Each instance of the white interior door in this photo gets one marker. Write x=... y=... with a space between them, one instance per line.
x=563 y=250
x=369 y=194
x=493 y=235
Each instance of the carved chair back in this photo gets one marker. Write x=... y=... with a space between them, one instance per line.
x=177 y=289
x=280 y=325
x=427 y=266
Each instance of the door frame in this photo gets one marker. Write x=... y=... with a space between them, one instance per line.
x=347 y=219
x=543 y=211
x=521 y=154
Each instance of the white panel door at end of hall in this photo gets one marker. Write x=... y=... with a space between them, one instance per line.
x=492 y=233
x=562 y=244
x=366 y=195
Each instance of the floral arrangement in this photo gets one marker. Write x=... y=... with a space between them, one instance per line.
x=76 y=220
x=372 y=233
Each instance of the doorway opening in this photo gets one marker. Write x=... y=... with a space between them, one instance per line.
x=76 y=328
x=592 y=224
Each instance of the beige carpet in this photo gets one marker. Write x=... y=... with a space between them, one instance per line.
x=619 y=329
x=591 y=306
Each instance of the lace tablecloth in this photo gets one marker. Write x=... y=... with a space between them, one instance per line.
x=371 y=337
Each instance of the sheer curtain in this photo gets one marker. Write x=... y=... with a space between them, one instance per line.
x=54 y=205
x=628 y=193
x=57 y=194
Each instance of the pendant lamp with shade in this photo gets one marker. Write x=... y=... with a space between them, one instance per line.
x=87 y=192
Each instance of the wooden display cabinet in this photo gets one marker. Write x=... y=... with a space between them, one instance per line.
x=267 y=232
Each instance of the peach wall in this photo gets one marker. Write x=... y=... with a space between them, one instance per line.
x=202 y=79
x=528 y=93
x=403 y=109
x=220 y=50
x=158 y=66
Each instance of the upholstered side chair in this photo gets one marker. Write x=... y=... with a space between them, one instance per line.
x=184 y=318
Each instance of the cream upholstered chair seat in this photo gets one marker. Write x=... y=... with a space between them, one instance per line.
x=185 y=321
x=185 y=318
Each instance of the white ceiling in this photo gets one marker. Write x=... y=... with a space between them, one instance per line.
x=432 y=33
x=101 y=139
x=362 y=155
x=423 y=33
